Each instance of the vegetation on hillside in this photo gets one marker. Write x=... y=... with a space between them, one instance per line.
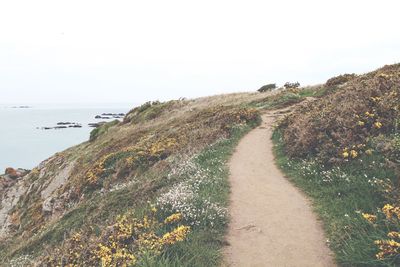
x=344 y=151
x=151 y=190
x=287 y=97
x=267 y=87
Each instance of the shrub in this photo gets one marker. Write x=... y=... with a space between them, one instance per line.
x=346 y=120
x=121 y=244
x=290 y=85
x=267 y=87
x=95 y=133
x=149 y=149
x=151 y=110
x=341 y=79
x=144 y=154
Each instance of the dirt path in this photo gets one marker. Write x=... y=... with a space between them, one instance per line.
x=272 y=223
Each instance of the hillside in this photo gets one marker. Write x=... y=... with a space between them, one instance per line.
x=153 y=190
x=344 y=152
x=161 y=168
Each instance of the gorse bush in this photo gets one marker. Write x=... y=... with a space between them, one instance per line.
x=144 y=154
x=128 y=161
x=342 y=125
x=341 y=79
x=121 y=244
x=344 y=150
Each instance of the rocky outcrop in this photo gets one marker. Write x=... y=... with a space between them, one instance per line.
x=12 y=187
x=41 y=185
x=53 y=204
x=63 y=125
x=15 y=173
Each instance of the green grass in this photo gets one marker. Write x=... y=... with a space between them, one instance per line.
x=286 y=98
x=95 y=133
x=203 y=247
x=340 y=194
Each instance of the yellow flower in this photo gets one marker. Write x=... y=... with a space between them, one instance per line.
x=388 y=211
x=353 y=154
x=130 y=160
x=369 y=217
x=345 y=154
x=178 y=234
x=361 y=123
x=371 y=115
x=76 y=237
x=378 y=125
x=173 y=218
x=394 y=235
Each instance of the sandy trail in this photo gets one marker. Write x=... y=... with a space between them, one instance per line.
x=272 y=223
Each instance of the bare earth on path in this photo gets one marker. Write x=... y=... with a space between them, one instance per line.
x=272 y=222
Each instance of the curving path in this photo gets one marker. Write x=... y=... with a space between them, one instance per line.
x=272 y=223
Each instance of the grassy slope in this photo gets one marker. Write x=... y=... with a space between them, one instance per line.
x=206 y=131
x=342 y=190
x=339 y=199
x=340 y=195
x=204 y=244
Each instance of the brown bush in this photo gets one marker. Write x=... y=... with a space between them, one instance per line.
x=341 y=79
x=347 y=119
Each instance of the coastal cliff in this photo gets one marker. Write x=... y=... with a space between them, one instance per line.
x=153 y=189
x=123 y=167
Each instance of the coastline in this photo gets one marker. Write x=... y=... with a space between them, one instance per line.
x=36 y=133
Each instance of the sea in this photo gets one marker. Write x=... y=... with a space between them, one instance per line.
x=23 y=141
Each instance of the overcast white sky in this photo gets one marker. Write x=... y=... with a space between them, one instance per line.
x=132 y=51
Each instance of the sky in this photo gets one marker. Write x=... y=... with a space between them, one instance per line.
x=132 y=51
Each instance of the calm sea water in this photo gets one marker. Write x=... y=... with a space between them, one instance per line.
x=23 y=145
